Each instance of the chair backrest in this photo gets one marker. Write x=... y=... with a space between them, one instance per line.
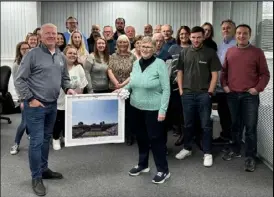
x=5 y=73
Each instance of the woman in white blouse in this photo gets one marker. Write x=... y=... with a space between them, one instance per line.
x=78 y=81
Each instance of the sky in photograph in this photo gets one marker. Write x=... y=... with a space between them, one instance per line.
x=94 y=111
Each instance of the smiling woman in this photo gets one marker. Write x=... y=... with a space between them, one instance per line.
x=150 y=91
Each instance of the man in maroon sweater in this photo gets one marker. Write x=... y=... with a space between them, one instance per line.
x=244 y=75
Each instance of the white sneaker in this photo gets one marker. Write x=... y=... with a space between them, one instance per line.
x=56 y=144
x=183 y=154
x=14 y=149
x=208 y=160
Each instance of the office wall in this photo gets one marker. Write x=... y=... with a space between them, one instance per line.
x=135 y=13
x=265 y=122
x=17 y=19
x=239 y=12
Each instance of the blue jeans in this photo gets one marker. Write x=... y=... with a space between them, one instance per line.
x=244 y=113
x=40 y=122
x=21 y=128
x=197 y=104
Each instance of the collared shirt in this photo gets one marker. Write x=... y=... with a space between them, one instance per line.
x=222 y=49
x=41 y=74
x=197 y=65
x=168 y=44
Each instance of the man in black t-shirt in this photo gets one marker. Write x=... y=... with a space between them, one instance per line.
x=197 y=77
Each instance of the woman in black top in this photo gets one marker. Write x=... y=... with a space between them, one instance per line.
x=209 y=34
x=61 y=41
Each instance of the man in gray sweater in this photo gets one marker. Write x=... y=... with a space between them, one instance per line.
x=40 y=75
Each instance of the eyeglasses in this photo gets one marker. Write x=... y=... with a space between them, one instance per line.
x=146 y=47
x=24 y=49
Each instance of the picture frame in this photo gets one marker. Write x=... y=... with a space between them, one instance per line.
x=92 y=119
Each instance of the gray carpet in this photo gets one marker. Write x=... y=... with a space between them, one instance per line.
x=101 y=171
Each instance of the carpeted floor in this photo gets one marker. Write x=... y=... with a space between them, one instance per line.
x=101 y=171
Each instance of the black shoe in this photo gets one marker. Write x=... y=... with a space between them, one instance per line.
x=38 y=187
x=48 y=174
x=220 y=141
x=161 y=177
x=137 y=170
x=179 y=141
x=230 y=154
x=250 y=165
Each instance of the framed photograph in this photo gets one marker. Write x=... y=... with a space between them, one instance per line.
x=94 y=119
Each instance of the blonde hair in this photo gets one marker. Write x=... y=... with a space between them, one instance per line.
x=148 y=39
x=82 y=49
x=123 y=38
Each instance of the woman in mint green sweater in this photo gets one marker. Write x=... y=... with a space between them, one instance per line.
x=150 y=90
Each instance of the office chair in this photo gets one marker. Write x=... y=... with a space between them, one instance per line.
x=5 y=73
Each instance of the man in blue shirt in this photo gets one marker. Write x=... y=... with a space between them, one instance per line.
x=72 y=25
x=161 y=52
x=228 y=32
x=167 y=32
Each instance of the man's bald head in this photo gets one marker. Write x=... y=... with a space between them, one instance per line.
x=148 y=30
x=95 y=28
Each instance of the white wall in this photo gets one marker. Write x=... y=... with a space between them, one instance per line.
x=17 y=19
x=136 y=14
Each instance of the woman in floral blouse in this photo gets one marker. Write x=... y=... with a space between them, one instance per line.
x=120 y=67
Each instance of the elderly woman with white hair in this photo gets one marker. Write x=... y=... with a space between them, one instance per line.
x=119 y=69
x=150 y=91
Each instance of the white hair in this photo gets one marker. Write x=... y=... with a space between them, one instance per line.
x=48 y=25
x=157 y=34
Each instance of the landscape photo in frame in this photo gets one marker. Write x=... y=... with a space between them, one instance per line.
x=94 y=119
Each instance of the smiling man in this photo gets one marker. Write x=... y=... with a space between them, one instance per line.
x=244 y=75
x=40 y=75
x=197 y=76
x=228 y=29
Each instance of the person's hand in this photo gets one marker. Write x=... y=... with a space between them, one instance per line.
x=253 y=91
x=71 y=92
x=118 y=85
x=161 y=117
x=181 y=92
x=22 y=105
x=123 y=93
x=226 y=89
x=35 y=103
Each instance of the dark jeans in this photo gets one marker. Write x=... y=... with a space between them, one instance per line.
x=195 y=103
x=244 y=113
x=59 y=126
x=21 y=128
x=149 y=132
x=40 y=122
x=224 y=114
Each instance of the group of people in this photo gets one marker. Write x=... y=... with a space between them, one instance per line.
x=172 y=83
